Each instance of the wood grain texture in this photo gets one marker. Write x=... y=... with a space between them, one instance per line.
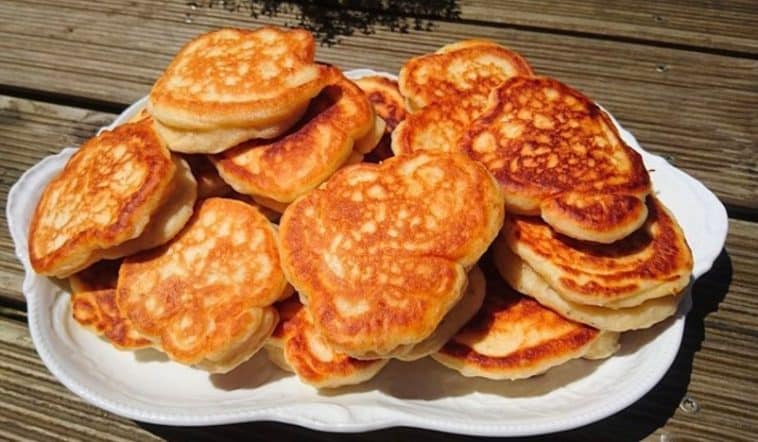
x=720 y=26
x=714 y=367
x=702 y=109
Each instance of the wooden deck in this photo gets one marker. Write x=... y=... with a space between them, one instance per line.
x=682 y=77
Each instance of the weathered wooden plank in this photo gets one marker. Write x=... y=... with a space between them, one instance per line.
x=726 y=26
x=713 y=367
x=700 y=109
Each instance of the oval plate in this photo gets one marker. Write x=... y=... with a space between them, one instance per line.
x=145 y=386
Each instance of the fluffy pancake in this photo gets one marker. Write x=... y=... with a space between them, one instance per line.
x=172 y=214
x=541 y=139
x=210 y=141
x=296 y=346
x=313 y=150
x=603 y=218
x=653 y=262
x=514 y=337
x=384 y=94
x=379 y=252
x=206 y=296
x=462 y=72
x=456 y=318
x=438 y=127
x=238 y=78
x=93 y=305
x=104 y=197
x=525 y=280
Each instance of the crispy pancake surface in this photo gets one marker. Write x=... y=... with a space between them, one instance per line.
x=437 y=128
x=524 y=279
x=448 y=90
x=297 y=345
x=462 y=72
x=653 y=262
x=206 y=296
x=104 y=196
x=540 y=138
x=240 y=78
x=379 y=252
x=313 y=150
x=514 y=337
x=384 y=94
x=93 y=305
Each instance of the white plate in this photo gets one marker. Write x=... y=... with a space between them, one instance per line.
x=146 y=387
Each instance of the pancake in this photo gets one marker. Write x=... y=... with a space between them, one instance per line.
x=210 y=141
x=379 y=253
x=172 y=214
x=557 y=154
x=206 y=297
x=232 y=85
x=437 y=127
x=525 y=280
x=209 y=183
x=296 y=346
x=105 y=196
x=93 y=305
x=238 y=78
x=653 y=262
x=384 y=94
x=462 y=73
x=456 y=318
x=514 y=337
x=294 y=164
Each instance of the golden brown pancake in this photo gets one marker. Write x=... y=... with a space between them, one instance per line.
x=105 y=196
x=379 y=252
x=231 y=85
x=209 y=183
x=653 y=262
x=206 y=296
x=545 y=141
x=525 y=280
x=463 y=72
x=93 y=305
x=172 y=214
x=514 y=337
x=297 y=346
x=238 y=78
x=437 y=128
x=384 y=94
x=290 y=166
x=603 y=218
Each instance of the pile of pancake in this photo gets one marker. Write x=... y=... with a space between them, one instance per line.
x=470 y=211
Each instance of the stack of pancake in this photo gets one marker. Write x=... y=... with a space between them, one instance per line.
x=239 y=125
x=583 y=235
x=165 y=225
